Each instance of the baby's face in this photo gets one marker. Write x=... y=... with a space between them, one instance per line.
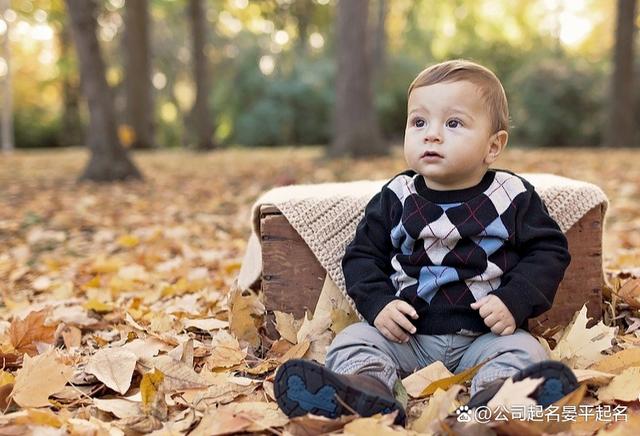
x=448 y=135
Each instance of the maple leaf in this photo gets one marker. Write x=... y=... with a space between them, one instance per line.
x=25 y=333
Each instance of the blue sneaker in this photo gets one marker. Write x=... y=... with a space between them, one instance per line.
x=302 y=387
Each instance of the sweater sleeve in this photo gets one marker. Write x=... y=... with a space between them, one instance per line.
x=528 y=289
x=367 y=260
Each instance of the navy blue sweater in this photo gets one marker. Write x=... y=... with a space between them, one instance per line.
x=442 y=250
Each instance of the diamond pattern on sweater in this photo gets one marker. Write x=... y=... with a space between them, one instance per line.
x=441 y=244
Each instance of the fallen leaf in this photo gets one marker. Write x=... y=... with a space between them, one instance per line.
x=378 y=425
x=630 y=293
x=71 y=336
x=149 y=386
x=25 y=333
x=624 y=387
x=220 y=422
x=177 y=375
x=515 y=393
x=206 y=324
x=262 y=415
x=225 y=351
x=580 y=346
x=245 y=315
x=39 y=377
x=440 y=405
x=42 y=418
x=317 y=332
x=618 y=362
x=113 y=367
x=593 y=377
x=447 y=382
x=287 y=326
x=419 y=380
x=308 y=425
x=121 y=408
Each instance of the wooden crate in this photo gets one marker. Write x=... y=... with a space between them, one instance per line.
x=292 y=277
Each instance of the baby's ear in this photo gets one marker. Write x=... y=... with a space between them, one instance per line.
x=497 y=143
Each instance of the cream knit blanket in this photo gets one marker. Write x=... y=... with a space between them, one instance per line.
x=326 y=216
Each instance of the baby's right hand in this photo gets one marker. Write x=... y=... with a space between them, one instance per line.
x=393 y=323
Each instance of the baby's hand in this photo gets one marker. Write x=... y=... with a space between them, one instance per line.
x=496 y=315
x=393 y=323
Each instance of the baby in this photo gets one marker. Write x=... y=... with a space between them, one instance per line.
x=449 y=262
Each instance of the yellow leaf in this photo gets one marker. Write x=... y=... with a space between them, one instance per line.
x=93 y=283
x=6 y=378
x=245 y=315
x=98 y=306
x=43 y=418
x=104 y=265
x=287 y=326
x=149 y=386
x=341 y=319
x=446 y=383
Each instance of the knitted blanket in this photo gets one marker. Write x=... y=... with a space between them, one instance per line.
x=326 y=216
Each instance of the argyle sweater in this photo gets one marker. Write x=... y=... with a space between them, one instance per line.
x=442 y=250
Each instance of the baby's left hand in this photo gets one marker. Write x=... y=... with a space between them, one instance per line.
x=496 y=315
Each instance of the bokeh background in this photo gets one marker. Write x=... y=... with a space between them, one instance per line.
x=271 y=67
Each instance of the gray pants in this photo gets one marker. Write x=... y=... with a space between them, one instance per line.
x=361 y=348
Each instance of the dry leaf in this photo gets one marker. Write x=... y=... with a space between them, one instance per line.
x=113 y=367
x=149 y=386
x=245 y=315
x=593 y=377
x=624 y=387
x=308 y=425
x=515 y=393
x=618 y=362
x=287 y=326
x=71 y=336
x=206 y=324
x=317 y=332
x=25 y=333
x=262 y=415
x=121 y=408
x=440 y=405
x=224 y=389
x=39 y=377
x=220 y=422
x=419 y=380
x=177 y=375
x=225 y=351
x=446 y=383
x=341 y=319
x=630 y=293
x=580 y=346
x=378 y=425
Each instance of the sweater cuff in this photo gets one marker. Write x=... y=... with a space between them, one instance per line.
x=513 y=300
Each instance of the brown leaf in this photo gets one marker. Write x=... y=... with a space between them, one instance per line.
x=113 y=367
x=630 y=293
x=24 y=333
x=618 y=362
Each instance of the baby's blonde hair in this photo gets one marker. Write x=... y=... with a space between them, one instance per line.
x=460 y=69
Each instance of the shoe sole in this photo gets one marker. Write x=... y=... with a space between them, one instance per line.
x=302 y=387
x=557 y=377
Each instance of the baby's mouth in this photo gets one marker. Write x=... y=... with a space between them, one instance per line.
x=430 y=153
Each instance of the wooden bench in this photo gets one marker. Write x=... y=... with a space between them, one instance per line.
x=292 y=277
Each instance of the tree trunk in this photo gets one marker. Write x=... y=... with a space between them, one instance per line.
x=71 y=121
x=138 y=73
x=356 y=132
x=201 y=114
x=109 y=161
x=621 y=127
x=379 y=39
x=6 y=125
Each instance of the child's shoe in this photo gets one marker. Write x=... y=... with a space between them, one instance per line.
x=302 y=387
x=559 y=381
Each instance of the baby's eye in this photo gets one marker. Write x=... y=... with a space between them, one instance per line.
x=454 y=123
x=418 y=122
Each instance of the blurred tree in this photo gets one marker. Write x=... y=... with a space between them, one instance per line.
x=379 y=38
x=356 y=132
x=620 y=130
x=71 y=120
x=201 y=116
x=139 y=91
x=109 y=161
x=6 y=126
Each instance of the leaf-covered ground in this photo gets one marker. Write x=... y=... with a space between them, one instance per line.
x=119 y=313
